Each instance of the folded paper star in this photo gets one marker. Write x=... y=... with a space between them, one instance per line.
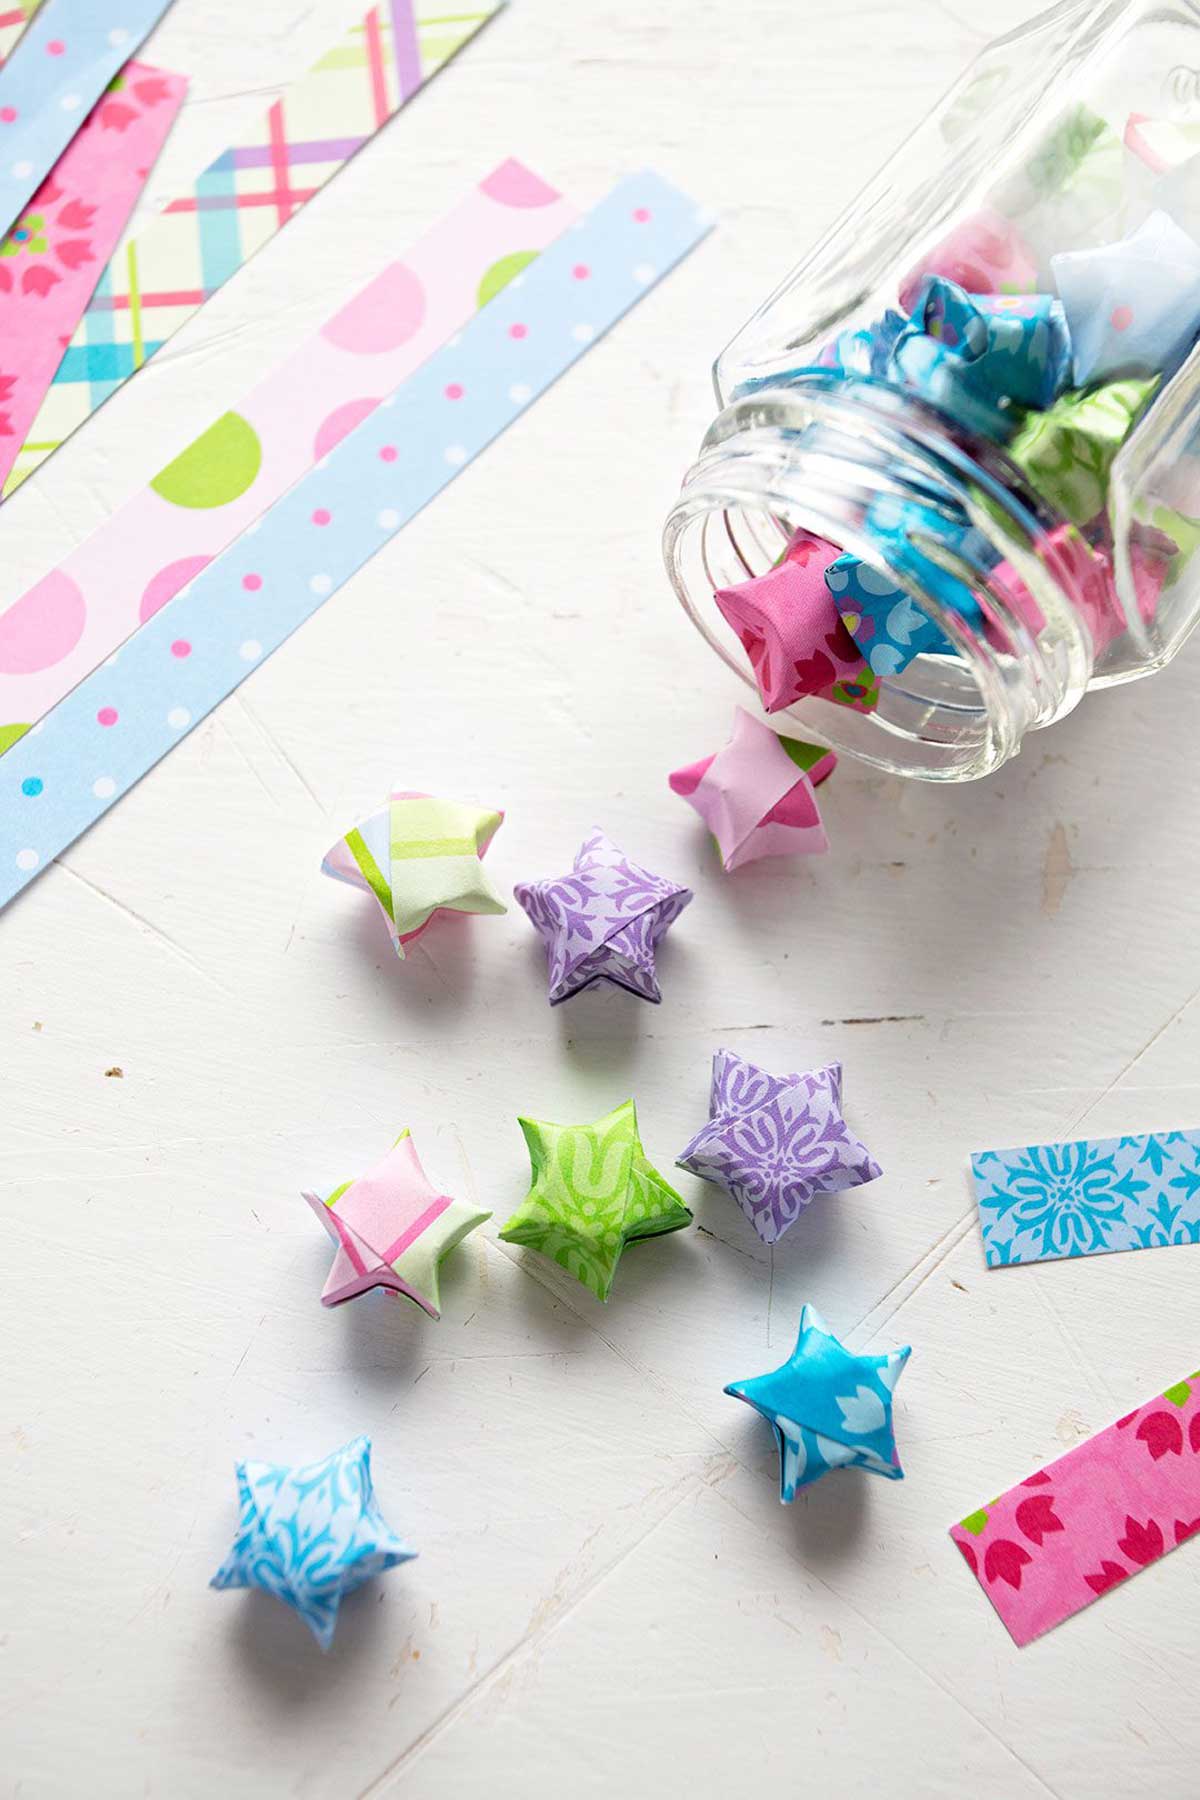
x=774 y=1142
x=882 y=618
x=792 y=632
x=1132 y=306
x=756 y=795
x=311 y=1535
x=419 y=856
x=984 y=254
x=1068 y=451
x=392 y=1230
x=594 y=1191
x=828 y=1408
x=983 y=358
x=603 y=921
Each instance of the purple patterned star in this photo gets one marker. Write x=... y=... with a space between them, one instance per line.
x=603 y=921
x=776 y=1141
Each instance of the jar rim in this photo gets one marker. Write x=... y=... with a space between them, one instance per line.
x=813 y=455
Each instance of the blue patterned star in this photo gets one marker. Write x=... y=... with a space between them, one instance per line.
x=828 y=1408
x=311 y=1535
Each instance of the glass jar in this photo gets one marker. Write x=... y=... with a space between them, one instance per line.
x=978 y=397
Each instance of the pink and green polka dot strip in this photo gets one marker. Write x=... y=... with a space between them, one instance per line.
x=247 y=602
x=157 y=279
x=69 y=622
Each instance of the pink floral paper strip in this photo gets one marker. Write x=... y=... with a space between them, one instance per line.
x=52 y=259
x=69 y=622
x=1092 y=1518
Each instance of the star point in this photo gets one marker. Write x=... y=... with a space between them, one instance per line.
x=593 y=1190
x=603 y=921
x=392 y=1229
x=774 y=1142
x=418 y=856
x=310 y=1535
x=829 y=1408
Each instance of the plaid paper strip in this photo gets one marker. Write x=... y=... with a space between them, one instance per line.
x=13 y=20
x=157 y=280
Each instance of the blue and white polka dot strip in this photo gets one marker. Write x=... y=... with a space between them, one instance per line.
x=62 y=64
x=61 y=776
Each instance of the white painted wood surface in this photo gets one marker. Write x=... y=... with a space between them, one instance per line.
x=609 y=1598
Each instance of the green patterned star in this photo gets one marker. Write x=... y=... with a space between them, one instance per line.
x=594 y=1191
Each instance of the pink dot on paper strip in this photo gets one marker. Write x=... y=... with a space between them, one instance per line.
x=43 y=626
x=181 y=647
x=107 y=715
x=55 y=47
x=389 y=311
x=518 y=331
x=388 y=453
x=8 y=114
x=322 y=516
x=512 y=184
x=340 y=423
x=252 y=583
x=642 y=214
x=454 y=391
x=1122 y=318
x=167 y=582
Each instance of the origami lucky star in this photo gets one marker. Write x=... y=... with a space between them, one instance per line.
x=791 y=630
x=392 y=1230
x=603 y=921
x=828 y=1408
x=594 y=1191
x=419 y=856
x=756 y=795
x=311 y=1535
x=776 y=1141
x=1132 y=306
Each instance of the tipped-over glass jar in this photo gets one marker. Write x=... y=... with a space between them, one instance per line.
x=955 y=477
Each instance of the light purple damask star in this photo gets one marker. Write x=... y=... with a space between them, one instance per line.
x=776 y=1141
x=603 y=921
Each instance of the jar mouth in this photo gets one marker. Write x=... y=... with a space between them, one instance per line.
x=818 y=455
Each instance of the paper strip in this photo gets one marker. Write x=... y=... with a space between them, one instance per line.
x=65 y=626
x=1091 y=1518
x=157 y=280
x=63 y=64
x=52 y=258
x=1089 y=1197
x=62 y=776
x=13 y=20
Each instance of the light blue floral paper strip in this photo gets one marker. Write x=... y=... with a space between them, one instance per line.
x=1046 y=1201
x=310 y=1535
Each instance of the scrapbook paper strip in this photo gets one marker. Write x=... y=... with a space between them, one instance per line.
x=62 y=65
x=65 y=626
x=117 y=724
x=1083 y=1199
x=13 y=20
x=51 y=259
x=1092 y=1518
x=159 y=278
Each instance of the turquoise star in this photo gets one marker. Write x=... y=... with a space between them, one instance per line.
x=311 y=1535
x=828 y=1408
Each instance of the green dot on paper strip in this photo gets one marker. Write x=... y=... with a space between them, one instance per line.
x=501 y=273
x=9 y=735
x=215 y=469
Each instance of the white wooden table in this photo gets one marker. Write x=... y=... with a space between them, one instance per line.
x=609 y=1597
